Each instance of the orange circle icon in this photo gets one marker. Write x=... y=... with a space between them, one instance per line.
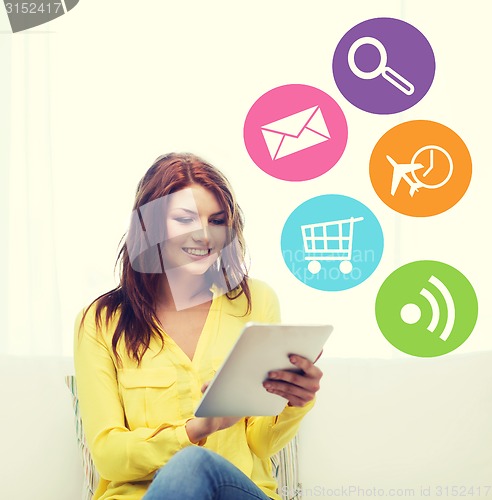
x=420 y=168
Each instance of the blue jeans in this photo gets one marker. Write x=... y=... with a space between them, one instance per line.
x=197 y=473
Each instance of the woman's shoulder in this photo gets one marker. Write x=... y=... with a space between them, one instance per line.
x=260 y=288
x=264 y=302
x=94 y=318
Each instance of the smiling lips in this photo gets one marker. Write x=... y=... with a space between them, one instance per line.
x=197 y=252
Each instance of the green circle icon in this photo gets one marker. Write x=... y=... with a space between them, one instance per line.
x=426 y=308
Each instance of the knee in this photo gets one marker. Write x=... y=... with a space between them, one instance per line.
x=191 y=458
x=194 y=454
x=193 y=465
x=184 y=476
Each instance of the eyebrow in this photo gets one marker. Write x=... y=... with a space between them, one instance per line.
x=187 y=210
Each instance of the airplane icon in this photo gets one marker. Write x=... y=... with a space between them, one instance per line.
x=400 y=171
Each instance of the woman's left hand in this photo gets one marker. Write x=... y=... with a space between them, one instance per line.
x=297 y=388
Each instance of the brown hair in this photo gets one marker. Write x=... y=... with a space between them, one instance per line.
x=135 y=296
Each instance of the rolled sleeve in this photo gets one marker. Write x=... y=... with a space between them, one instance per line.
x=267 y=435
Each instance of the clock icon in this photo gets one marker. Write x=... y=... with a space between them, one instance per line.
x=437 y=167
x=420 y=168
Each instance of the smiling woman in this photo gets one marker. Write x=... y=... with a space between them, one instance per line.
x=195 y=230
x=145 y=351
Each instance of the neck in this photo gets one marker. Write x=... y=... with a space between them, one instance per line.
x=179 y=290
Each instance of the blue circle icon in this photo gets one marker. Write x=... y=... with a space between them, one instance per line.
x=332 y=242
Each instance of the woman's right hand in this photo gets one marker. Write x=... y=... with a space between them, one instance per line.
x=199 y=428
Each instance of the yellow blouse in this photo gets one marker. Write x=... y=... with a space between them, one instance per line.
x=134 y=418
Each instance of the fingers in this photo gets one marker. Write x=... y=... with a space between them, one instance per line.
x=306 y=366
x=297 y=388
x=204 y=386
x=301 y=380
x=308 y=378
x=295 y=384
x=297 y=396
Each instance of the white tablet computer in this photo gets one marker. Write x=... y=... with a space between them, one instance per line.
x=237 y=388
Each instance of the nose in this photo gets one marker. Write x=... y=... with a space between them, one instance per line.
x=202 y=235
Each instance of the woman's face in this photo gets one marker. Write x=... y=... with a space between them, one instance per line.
x=195 y=230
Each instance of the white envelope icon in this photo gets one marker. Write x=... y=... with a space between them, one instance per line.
x=295 y=132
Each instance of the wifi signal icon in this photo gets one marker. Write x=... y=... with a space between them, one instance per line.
x=411 y=313
x=426 y=308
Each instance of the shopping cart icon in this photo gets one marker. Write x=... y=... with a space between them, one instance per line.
x=329 y=241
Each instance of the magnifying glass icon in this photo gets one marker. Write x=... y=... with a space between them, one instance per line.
x=389 y=74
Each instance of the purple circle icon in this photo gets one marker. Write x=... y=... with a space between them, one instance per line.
x=383 y=65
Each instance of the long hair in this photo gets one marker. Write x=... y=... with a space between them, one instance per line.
x=135 y=296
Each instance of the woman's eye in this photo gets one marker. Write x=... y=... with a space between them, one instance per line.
x=218 y=222
x=184 y=220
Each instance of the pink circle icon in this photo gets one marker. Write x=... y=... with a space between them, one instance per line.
x=295 y=132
